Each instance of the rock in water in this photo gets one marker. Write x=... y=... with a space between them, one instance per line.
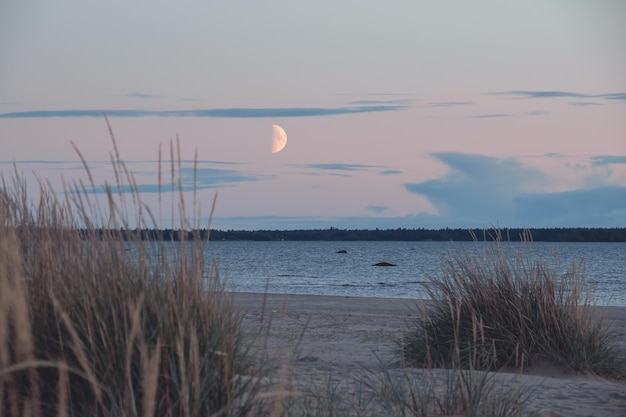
x=384 y=264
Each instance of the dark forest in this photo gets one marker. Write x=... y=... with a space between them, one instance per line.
x=335 y=234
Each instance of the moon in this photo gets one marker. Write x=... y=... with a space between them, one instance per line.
x=279 y=138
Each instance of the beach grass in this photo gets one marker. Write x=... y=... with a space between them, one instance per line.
x=497 y=308
x=450 y=392
x=99 y=323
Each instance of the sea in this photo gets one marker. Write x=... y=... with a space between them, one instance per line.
x=348 y=268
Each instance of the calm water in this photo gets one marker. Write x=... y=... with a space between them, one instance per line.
x=316 y=268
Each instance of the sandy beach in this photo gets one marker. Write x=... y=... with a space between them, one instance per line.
x=349 y=339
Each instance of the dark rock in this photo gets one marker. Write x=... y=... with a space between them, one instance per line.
x=342 y=251
x=308 y=359
x=384 y=264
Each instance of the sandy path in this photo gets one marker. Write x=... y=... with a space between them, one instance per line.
x=350 y=338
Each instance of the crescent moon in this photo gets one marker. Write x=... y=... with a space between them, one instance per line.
x=279 y=138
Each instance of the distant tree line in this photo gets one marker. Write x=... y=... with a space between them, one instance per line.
x=401 y=234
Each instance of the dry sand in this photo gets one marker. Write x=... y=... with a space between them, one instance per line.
x=349 y=339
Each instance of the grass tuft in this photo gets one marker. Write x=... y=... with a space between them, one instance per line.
x=494 y=308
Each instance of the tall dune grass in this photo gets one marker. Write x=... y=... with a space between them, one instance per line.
x=92 y=325
x=494 y=309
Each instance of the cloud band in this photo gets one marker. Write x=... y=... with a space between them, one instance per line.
x=214 y=113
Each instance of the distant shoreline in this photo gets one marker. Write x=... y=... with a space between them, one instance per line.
x=332 y=234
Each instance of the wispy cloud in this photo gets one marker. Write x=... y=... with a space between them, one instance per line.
x=451 y=103
x=390 y=172
x=339 y=167
x=214 y=177
x=377 y=209
x=584 y=103
x=614 y=96
x=378 y=102
x=560 y=94
x=191 y=179
x=193 y=175
x=142 y=95
x=536 y=113
x=35 y=161
x=323 y=222
x=490 y=116
x=379 y=94
x=214 y=113
x=601 y=160
x=542 y=94
x=351 y=167
x=140 y=188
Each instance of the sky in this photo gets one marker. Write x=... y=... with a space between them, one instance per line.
x=399 y=114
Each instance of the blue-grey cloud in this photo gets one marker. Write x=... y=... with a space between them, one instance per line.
x=375 y=94
x=542 y=94
x=140 y=188
x=377 y=209
x=213 y=113
x=480 y=188
x=142 y=95
x=483 y=190
x=340 y=167
x=489 y=116
x=601 y=160
x=451 y=103
x=614 y=96
x=169 y=162
x=36 y=161
x=199 y=178
x=165 y=163
x=536 y=113
x=597 y=207
x=560 y=94
x=335 y=169
x=390 y=172
x=214 y=177
x=310 y=222
x=584 y=103
x=209 y=161
x=384 y=102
